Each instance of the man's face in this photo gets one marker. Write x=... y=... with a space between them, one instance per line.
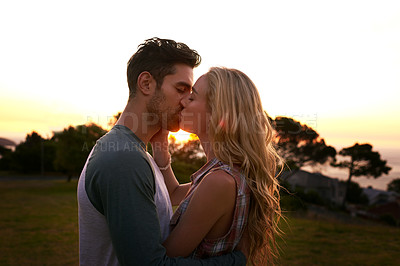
x=166 y=102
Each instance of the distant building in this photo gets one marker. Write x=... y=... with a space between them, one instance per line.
x=383 y=203
x=6 y=143
x=332 y=190
x=378 y=197
x=329 y=189
x=390 y=208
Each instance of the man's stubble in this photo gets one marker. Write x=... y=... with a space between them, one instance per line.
x=166 y=116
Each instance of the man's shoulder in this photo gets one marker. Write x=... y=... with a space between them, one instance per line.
x=116 y=164
x=118 y=139
x=116 y=153
x=120 y=155
x=119 y=144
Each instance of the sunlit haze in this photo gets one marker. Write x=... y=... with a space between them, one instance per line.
x=333 y=65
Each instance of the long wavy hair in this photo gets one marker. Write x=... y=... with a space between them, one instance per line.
x=241 y=134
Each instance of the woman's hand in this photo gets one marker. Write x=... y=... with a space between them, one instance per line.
x=160 y=137
x=159 y=144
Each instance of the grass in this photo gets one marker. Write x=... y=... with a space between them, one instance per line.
x=330 y=242
x=38 y=223
x=38 y=226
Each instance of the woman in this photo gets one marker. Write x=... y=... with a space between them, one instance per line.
x=237 y=187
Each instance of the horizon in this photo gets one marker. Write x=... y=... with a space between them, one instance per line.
x=390 y=154
x=338 y=141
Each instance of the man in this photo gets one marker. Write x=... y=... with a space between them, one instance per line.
x=120 y=200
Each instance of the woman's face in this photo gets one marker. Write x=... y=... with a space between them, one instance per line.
x=195 y=114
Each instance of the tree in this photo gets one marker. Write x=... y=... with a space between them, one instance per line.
x=189 y=151
x=5 y=158
x=26 y=157
x=363 y=162
x=355 y=194
x=73 y=147
x=187 y=157
x=394 y=185
x=114 y=119
x=34 y=155
x=300 y=145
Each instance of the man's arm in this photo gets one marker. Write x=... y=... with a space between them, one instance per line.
x=126 y=192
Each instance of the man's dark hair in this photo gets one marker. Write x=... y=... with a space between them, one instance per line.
x=158 y=57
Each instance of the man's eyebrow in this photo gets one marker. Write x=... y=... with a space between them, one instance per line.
x=184 y=84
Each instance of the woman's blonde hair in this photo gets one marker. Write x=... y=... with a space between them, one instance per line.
x=241 y=134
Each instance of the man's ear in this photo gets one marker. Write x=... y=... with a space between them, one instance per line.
x=146 y=83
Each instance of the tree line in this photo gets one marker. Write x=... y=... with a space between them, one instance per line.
x=299 y=145
x=65 y=152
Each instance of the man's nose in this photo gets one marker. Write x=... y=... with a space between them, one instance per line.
x=184 y=100
x=185 y=94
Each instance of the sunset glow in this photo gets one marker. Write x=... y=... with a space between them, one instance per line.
x=341 y=73
x=183 y=136
x=331 y=65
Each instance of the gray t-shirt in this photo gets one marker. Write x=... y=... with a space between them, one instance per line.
x=118 y=217
x=162 y=200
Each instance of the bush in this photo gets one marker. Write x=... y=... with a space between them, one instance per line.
x=388 y=219
x=313 y=197
x=290 y=202
x=355 y=194
x=183 y=171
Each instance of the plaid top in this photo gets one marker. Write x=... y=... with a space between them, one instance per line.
x=227 y=243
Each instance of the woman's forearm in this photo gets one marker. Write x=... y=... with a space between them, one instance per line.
x=162 y=158
x=176 y=191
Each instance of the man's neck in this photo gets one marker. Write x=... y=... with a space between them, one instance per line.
x=135 y=117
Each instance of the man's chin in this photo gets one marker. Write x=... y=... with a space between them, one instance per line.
x=173 y=127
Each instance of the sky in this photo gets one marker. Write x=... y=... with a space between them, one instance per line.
x=333 y=65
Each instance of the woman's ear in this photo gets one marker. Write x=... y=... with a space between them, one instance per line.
x=145 y=83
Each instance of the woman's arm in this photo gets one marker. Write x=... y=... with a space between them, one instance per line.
x=176 y=191
x=162 y=158
x=209 y=214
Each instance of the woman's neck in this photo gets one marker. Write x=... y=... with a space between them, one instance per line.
x=207 y=147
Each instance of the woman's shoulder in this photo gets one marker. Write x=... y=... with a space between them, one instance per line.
x=218 y=184
x=234 y=172
x=220 y=177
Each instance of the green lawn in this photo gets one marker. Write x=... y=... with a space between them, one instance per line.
x=321 y=242
x=38 y=223
x=38 y=226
